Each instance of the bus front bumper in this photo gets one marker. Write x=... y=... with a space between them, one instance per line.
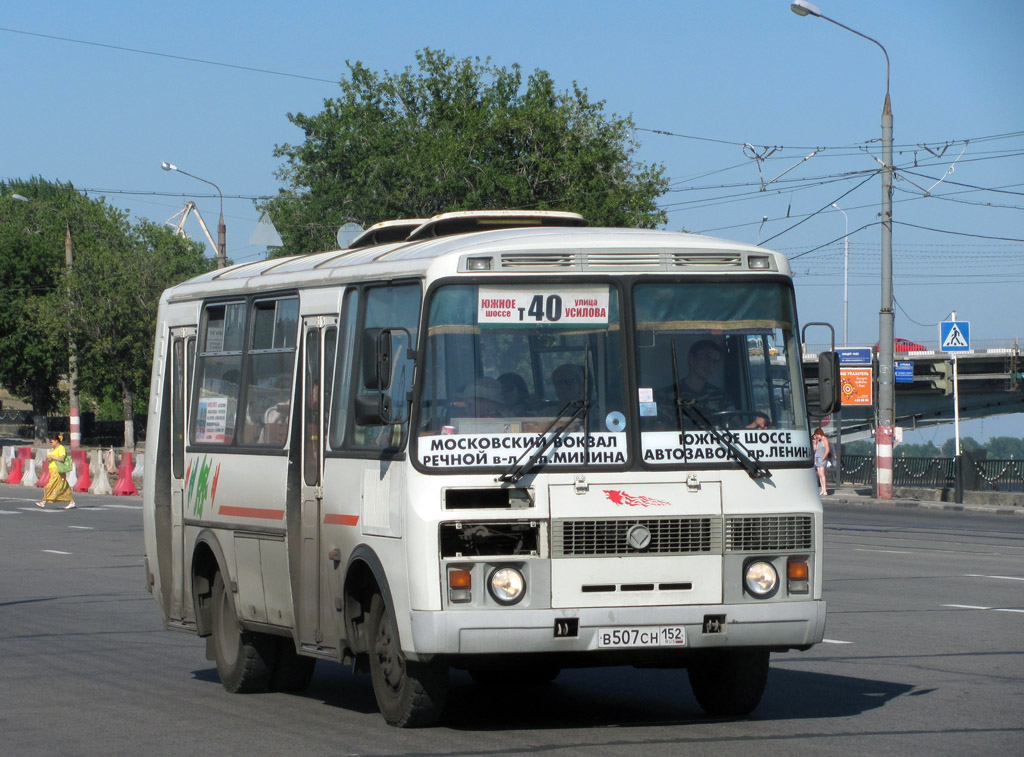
x=779 y=625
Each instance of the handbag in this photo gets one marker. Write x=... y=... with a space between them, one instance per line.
x=65 y=465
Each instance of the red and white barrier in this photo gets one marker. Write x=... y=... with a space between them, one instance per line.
x=82 y=478
x=29 y=478
x=125 y=485
x=100 y=484
x=16 y=472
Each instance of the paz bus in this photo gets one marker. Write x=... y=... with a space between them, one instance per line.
x=502 y=442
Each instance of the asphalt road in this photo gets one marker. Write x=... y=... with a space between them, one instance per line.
x=924 y=654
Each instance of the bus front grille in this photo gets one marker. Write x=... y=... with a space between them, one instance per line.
x=612 y=538
x=769 y=533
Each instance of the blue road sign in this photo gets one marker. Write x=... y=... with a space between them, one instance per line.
x=903 y=371
x=955 y=336
x=854 y=355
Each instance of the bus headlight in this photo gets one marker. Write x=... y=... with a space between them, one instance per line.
x=761 y=578
x=507 y=585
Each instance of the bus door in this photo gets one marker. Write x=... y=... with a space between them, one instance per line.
x=183 y=351
x=320 y=335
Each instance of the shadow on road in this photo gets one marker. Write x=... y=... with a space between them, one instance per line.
x=601 y=697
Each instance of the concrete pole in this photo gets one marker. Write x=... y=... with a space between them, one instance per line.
x=74 y=416
x=886 y=398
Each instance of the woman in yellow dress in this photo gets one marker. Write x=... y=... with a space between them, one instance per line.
x=57 y=488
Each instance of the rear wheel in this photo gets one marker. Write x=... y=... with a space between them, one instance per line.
x=729 y=682
x=409 y=694
x=244 y=659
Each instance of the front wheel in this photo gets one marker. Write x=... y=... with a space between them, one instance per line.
x=729 y=682
x=244 y=659
x=409 y=694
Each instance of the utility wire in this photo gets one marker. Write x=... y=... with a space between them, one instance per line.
x=167 y=55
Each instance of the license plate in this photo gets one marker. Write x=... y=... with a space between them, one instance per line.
x=641 y=636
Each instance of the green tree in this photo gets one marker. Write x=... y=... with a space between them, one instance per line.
x=115 y=291
x=457 y=135
x=36 y=219
x=966 y=443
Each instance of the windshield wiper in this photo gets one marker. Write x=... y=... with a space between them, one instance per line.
x=519 y=469
x=692 y=411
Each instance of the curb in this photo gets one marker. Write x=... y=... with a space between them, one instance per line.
x=848 y=498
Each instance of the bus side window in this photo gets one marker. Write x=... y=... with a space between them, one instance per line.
x=340 y=399
x=391 y=307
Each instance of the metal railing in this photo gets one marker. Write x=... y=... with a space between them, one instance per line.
x=938 y=473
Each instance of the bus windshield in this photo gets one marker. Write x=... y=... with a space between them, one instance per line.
x=718 y=357
x=506 y=366
x=517 y=371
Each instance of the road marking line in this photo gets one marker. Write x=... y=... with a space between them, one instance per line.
x=968 y=607
x=9 y=512
x=83 y=528
x=126 y=507
x=835 y=641
x=56 y=552
x=1007 y=578
x=1006 y=609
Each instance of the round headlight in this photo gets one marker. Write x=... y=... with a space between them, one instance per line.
x=761 y=578
x=507 y=586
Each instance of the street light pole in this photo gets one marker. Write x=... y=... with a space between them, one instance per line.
x=846 y=277
x=886 y=412
x=74 y=409
x=222 y=259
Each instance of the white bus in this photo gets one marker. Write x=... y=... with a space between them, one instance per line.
x=498 y=442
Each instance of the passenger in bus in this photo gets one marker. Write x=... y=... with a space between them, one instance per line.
x=480 y=398
x=568 y=381
x=514 y=394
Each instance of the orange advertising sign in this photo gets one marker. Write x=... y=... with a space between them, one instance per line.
x=856 y=385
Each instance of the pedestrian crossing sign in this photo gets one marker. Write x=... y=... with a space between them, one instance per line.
x=955 y=336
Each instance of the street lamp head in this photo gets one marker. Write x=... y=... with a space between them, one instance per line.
x=804 y=8
x=168 y=166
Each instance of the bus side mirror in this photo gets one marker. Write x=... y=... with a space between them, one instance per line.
x=829 y=387
x=377 y=358
x=373 y=409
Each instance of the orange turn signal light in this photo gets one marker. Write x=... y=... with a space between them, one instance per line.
x=460 y=579
x=796 y=570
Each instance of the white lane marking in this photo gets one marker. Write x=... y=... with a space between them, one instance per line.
x=126 y=507
x=1006 y=609
x=56 y=552
x=968 y=607
x=9 y=512
x=885 y=551
x=83 y=528
x=1005 y=578
x=835 y=641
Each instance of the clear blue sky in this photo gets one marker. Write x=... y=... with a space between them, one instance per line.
x=719 y=74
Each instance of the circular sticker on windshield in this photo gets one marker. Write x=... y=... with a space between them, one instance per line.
x=615 y=421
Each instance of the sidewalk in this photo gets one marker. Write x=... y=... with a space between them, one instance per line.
x=864 y=496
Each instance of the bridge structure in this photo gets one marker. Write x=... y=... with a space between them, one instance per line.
x=990 y=379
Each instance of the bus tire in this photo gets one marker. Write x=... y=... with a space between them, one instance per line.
x=729 y=682
x=244 y=659
x=409 y=694
x=292 y=671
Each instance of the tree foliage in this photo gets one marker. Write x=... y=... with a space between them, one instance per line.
x=105 y=305
x=115 y=291
x=457 y=135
